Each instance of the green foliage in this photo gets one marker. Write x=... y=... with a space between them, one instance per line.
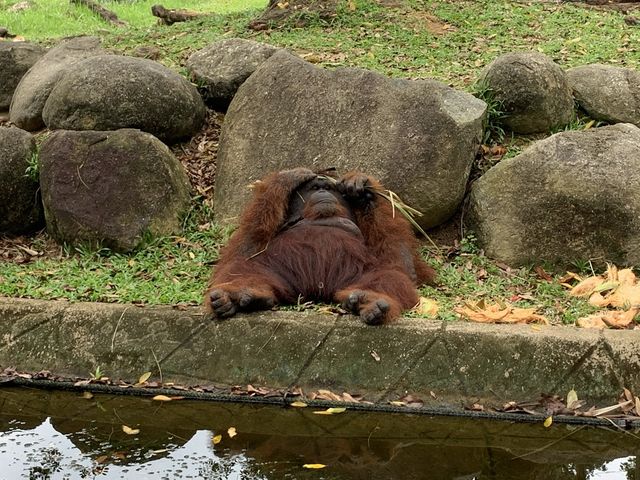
x=493 y=130
x=469 y=244
x=33 y=168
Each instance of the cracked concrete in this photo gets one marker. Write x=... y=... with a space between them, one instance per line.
x=459 y=362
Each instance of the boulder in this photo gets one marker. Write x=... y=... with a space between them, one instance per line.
x=532 y=91
x=607 y=93
x=20 y=206
x=15 y=59
x=222 y=67
x=109 y=92
x=111 y=188
x=572 y=196
x=418 y=137
x=34 y=88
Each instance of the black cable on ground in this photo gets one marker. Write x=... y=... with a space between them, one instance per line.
x=285 y=401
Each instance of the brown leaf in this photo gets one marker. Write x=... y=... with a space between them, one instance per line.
x=626 y=277
x=603 y=411
x=625 y=296
x=586 y=287
x=329 y=395
x=427 y=307
x=542 y=274
x=348 y=398
x=608 y=318
x=596 y=299
x=498 y=150
x=498 y=313
x=570 y=276
x=553 y=405
x=592 y=321
x=412 y=401
x=617 y=319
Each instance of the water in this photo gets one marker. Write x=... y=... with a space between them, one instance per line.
x=61 y=435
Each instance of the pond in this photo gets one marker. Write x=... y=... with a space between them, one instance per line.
x=64 y=435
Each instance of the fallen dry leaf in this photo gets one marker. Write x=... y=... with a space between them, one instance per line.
x=542 y=274
x=615 y=288
x=162 y=398
x=313 y=466
x=331 y=411
x=217 y=439
x=592 y=321
x=328 y=395
x=232 y=432
x=609 y=318
x=497 y=313
x=569 y=276
x=427 y=307
x=586 y=287
x=624 y=296
x=130 y=431
x=143 y=378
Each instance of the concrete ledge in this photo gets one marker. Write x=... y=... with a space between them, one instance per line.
x=459 y=362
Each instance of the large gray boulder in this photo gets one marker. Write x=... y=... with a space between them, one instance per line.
x=607 y=93
x=222 y=67
x=572 y=196
x=111 y=188
x=533 y=92
x=418 y=137
x=109 y=92
x=15 y=59
x=20 y=206
x=34 y=88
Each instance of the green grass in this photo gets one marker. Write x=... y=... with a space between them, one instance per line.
x=169 y=270
x=450 y=41
x=49 y=19
x=471 y=277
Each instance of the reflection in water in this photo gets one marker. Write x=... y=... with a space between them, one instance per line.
x=56 y=435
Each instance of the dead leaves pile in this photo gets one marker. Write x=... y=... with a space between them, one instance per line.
x=617 y=292
x=499 y=313
x=623 y=414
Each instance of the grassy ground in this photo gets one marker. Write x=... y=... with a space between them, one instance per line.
x=49 y=19
x=450 y=41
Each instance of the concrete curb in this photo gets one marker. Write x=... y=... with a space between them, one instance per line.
x=461 y=363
